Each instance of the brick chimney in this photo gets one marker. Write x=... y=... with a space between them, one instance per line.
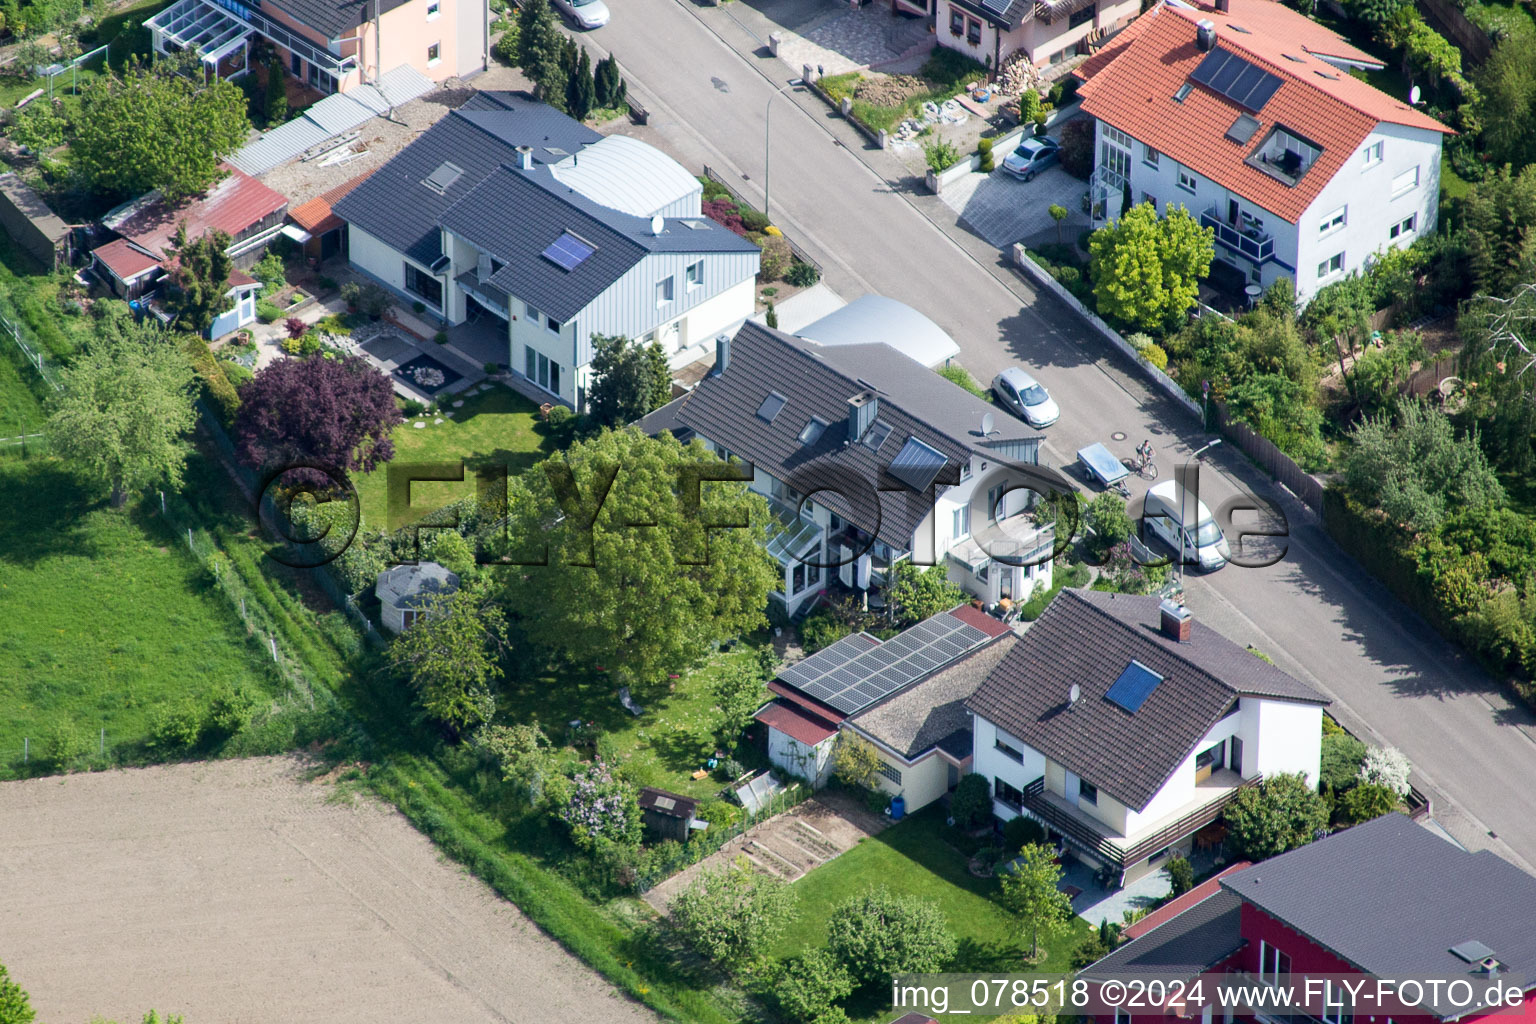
x=1176 y=620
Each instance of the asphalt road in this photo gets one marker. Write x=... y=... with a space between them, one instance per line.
x=715 y=96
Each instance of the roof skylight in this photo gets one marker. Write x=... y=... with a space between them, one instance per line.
x=771 y=407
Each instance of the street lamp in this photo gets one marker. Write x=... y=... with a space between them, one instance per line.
x=767 y=151
x=1182 y=492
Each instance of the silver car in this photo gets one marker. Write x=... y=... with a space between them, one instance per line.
x=585 y=13
x=1025 y=397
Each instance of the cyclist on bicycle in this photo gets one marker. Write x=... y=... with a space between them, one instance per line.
x=1144 y=451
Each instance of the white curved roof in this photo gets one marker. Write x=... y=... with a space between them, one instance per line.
x=874 y=318
x=627 y=175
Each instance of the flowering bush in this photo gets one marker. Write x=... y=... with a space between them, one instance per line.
x=723 y=211
x=602 y=807
x=1386 y=766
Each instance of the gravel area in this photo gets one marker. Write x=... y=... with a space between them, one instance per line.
x=242 y=892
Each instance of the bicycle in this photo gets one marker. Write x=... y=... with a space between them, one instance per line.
x=1142 y=465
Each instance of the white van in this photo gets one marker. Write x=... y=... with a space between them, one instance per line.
x=1190 y=529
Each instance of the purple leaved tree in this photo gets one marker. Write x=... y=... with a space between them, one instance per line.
x=338 y=412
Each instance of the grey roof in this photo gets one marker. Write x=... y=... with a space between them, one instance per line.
x=1392 y=898
x=932 y=713
x=394 y=205
x=1008 y=13
x=1088 y=638
x=405 y=586
x=515 y=214
x=673 y=805
x=335 y=18
x=876 y=318
x=913 y=402
x=1200 y=937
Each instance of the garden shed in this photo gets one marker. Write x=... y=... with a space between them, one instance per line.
x=669 y=815
x=30 y=223
x=405 y=589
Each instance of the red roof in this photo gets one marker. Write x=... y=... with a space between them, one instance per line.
x=124 y=259
x=233 y=205
x=973 y=616
x=815 y=707
x=1174 y=907
x=796 y=723
x=1131 y=83
x=315 y=216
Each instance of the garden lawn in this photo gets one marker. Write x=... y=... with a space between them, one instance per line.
x=947 y=73
x=493 y=428
x=912 y=858
x=107 y=617
x=21 y=411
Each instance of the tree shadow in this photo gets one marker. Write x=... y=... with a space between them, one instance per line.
x=42 y=513
x=973 y=957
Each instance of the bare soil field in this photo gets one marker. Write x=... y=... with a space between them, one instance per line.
x=240 y=892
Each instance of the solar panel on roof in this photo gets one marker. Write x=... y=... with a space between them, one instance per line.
x=1247 y=78
x=568 y=252
x=1239 y=81
x=998 y=7
x=1262 y=92
x=1224 y=77
x=1133 y=687
x=771 y=407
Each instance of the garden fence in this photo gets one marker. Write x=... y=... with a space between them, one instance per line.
x=671 y=858
x=799 y=253
x=1428 y=377
x=1273 y=461
x=24 y=446
x=45 y=369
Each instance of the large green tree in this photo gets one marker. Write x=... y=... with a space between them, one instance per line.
x=1146 y=269
x=809 y=985
x=452 y=655
x=540 y=50
x=916 y=593
x=123 y=412
x=1279 y=814
x=200 y=281
x=1499 y=214
x=740 y=688
x=1416 y=469
x=879 y=933
x=1506 y=82
x=15 y=1007
x=645 y=566
x=152 y=128
x=733 y=915
x=628 y=380
x=1030 y=890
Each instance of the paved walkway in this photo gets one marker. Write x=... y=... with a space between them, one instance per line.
x=1003 y=210
x=850 y=40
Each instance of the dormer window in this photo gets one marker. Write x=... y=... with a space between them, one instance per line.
x=1285 y=155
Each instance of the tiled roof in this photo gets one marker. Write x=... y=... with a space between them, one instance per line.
x=815 y=707
x=973 y=616
x=405 y=585
x=333 y=18
x=673 y=805
x=316 y=216
x=1176 y=906
x=1392 y=898
x=796 y=722
x=1201 y=937
x=124 y=259
x=1131 y=86
x=1088 y=638
x=818 y=382
x=232 y=205
x=930 y=712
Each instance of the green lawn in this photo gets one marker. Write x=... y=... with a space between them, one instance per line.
x=107 y=616
x=21 y=411
x=913 y=858
x=493 y=428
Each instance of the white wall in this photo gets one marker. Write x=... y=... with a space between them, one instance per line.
x=1290 y=738
x=987 y=760
x=800 y=760
x=368 y=253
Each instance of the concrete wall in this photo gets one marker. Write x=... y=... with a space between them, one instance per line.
x=921 y=783
x=630 y=307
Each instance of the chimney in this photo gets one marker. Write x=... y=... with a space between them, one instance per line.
x=862 y=410
x=1224 y=6
x=525 y=158
x=1175 y=621
x=1205 y=34
x=722 y=353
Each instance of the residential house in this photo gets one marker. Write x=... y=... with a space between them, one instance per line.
x=868 y=459
x=1125 y=727
x=330 y=45
x=509 y=212
x=1386 y=899
x=1247 y=115
x=1044 y=32
x=906 y=696
x=404 y=590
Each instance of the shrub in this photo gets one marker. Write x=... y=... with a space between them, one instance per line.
x=372 y=301
x=801 y=275
x=601 y=808
x=984 y=149
x=63 y=744
x=505 y=49
x=560 y=415
x=441 y=337
x=1279 y=814
x=411 y=407
x=879 y=933
x=176 y=727
x=724 y=212
x=352 y=294
x=771 y=316
x=941 y=155
x=236 y=373
x=1077 y=147
x=733 y=915
x=1156 y=355
x=295 y=327
x=326 y=284
x=418 y=308
x=492 y=369
x=730 y=769
x=1386 y=766
x=808 y=986
x=775 y=258
x=267 y=312
x=971 y=804
x=1021 y=832
x=1090 y=950
x=960 y=376
x=1367 y=801
x=821 y=629
x=1341 y=759
x=754 y=219
x=1181 y=873
x=230 y=709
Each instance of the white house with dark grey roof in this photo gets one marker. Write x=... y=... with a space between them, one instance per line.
x=869 y=459
x=508 y=211
x=1125 y=727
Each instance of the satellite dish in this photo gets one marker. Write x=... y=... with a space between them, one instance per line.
x=1074 y=693
x=657 y=224
x=1413 y=96
x=988 y=422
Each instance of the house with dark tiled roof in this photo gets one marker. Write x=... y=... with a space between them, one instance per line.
x=905 y=696
x=1444 y=928
x=509 y=212
x=868 y=459
x=1125 y=726
x=1245 y=113
x=1043 y=32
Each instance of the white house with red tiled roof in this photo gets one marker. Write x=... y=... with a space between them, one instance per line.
x=1245 y=114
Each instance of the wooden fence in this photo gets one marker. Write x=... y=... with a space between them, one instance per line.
x=1274 y=461
x=1425 y=379
x=1445 y=16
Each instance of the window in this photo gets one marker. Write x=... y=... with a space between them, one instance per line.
x=890 y=773
x=973 y=32
x=664 y=291
x=1006 y=794
x=1332 y=265
x=1081 y=17
x=814 y=428
x=1403 y=227
x=1274 y=965
x=1148 y=197
x=1405 y=182
x=1116 y=160
x=554 y=377
x=1186 y=180
x=962 y=517
x=434 y=9
x=803 y=577
x=408 y=619
x=1337 y=1008
x=956 y=21
x=530 y=363
x=295 y=65
x=694 y=275
x=1332 y=222
x=1150 y=156
x=1087 y=792
x=553 y=324
x=1372 y=154
x=434 y=54
x=965 y=471
x=995 y=498
x=531 y=313
x=424 y=286
x=1008 y=751
x=1184 y=91
x=1117 y=136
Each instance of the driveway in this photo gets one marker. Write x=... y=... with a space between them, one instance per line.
x=1003 y=210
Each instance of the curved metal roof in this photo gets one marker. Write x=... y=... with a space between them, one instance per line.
x=875 y=318
x=627 y=175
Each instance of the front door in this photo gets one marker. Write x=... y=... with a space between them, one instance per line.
x=1235 y=756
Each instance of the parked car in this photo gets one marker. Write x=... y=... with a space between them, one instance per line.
x=1024 y=396
x=1035 y=153
x=585 y=13
x=1190 y=530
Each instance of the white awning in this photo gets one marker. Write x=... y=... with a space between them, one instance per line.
x=296 y=233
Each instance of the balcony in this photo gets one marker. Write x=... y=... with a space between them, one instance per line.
x=1243 y=238
x=485 y=293
x=288 y=39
